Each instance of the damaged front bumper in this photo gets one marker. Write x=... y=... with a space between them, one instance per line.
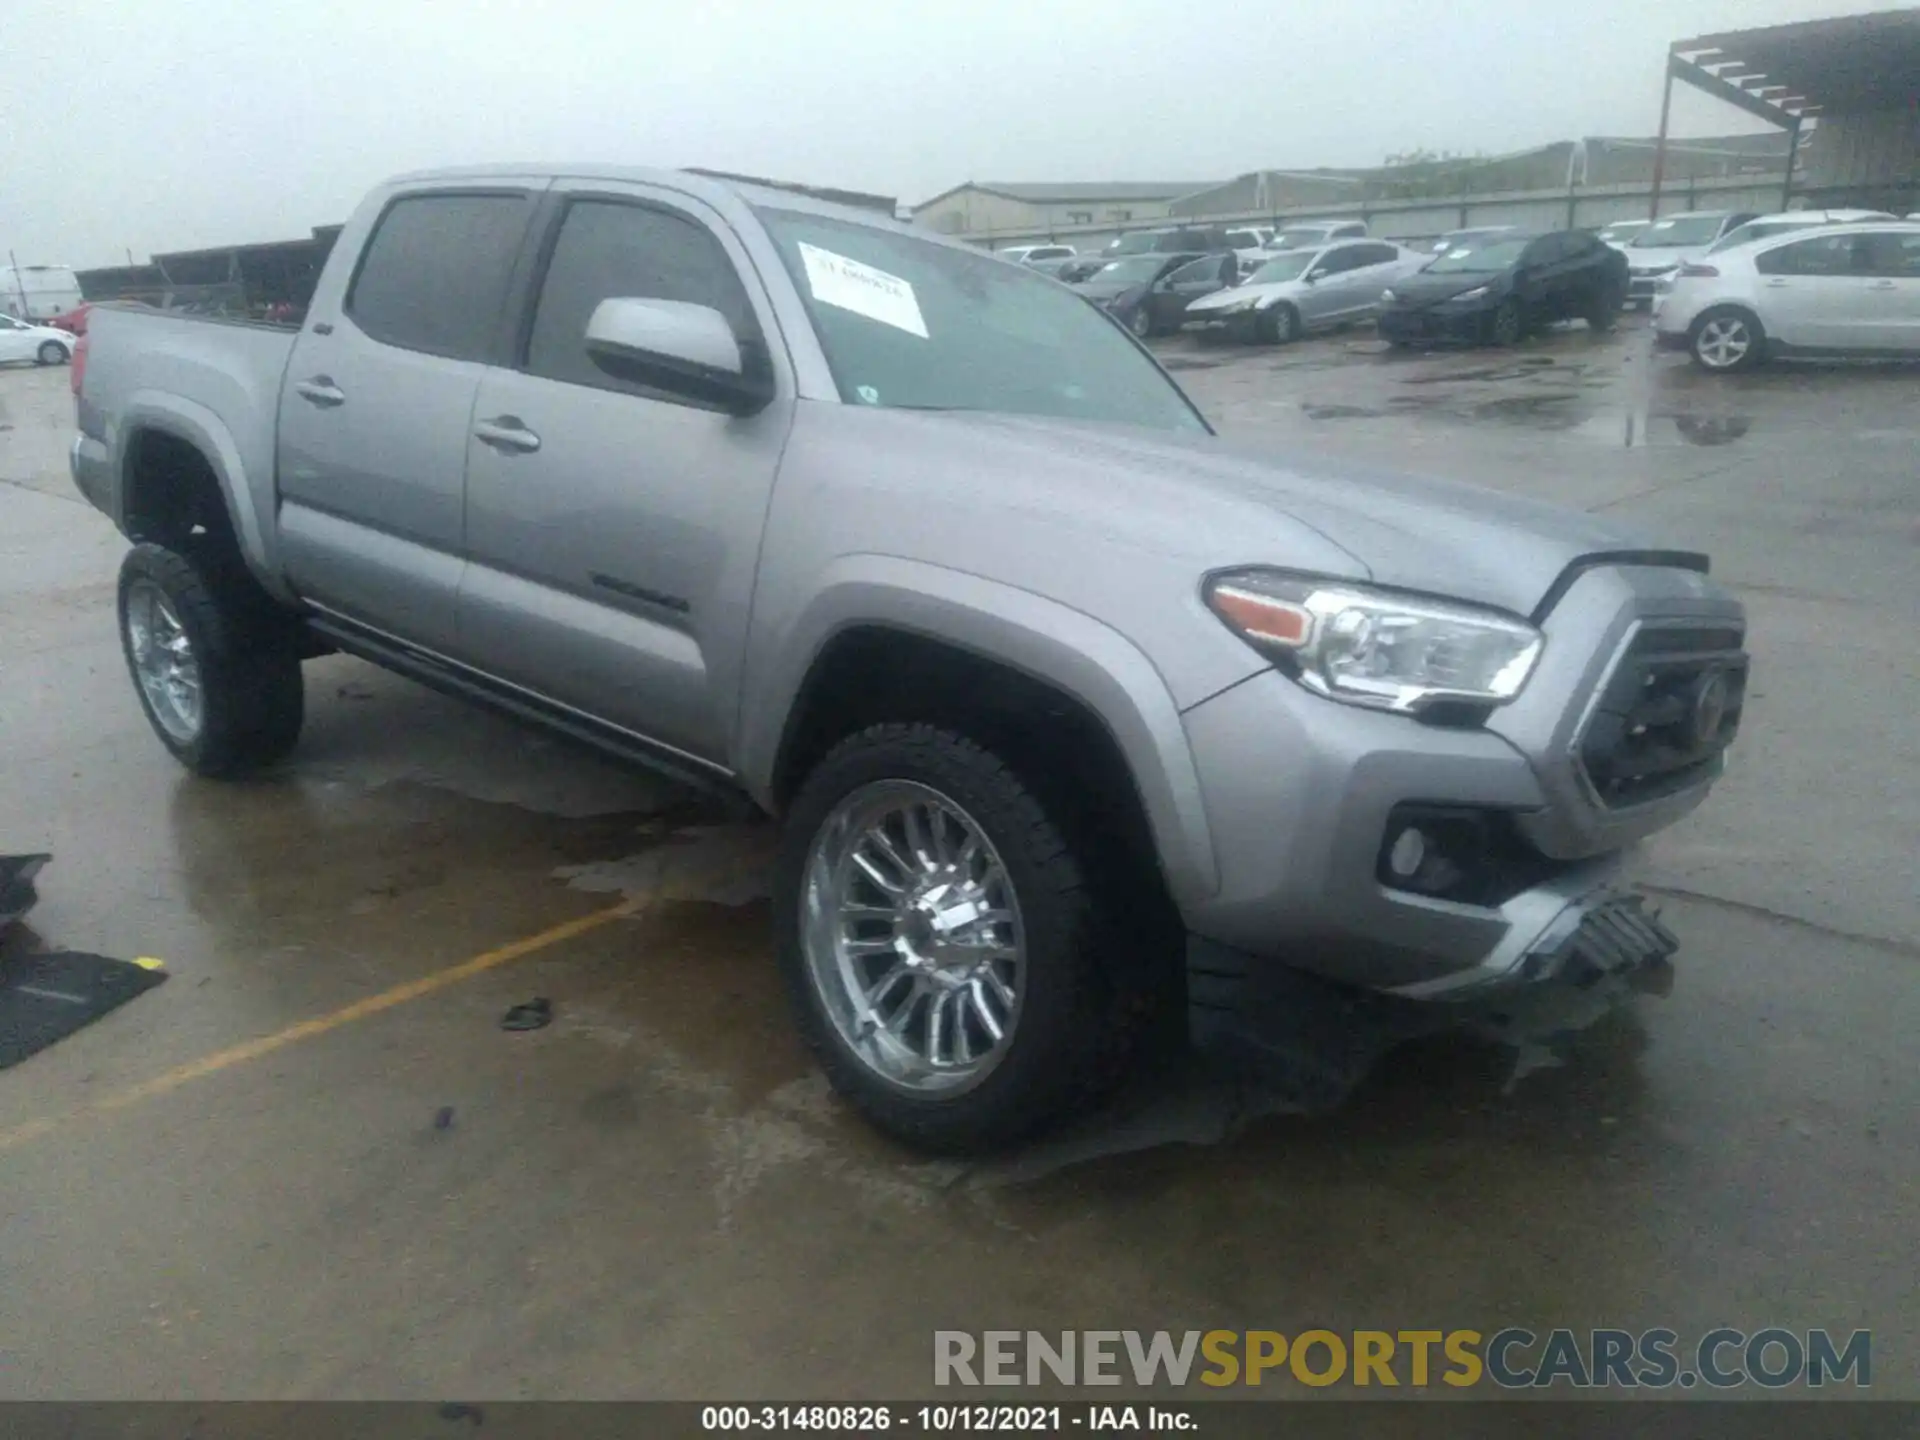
x=1313 y=1039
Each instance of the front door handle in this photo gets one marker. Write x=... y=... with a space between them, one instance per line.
x=507 y=434
x=1882 y=285
x=1776 y=284
x=321 y=391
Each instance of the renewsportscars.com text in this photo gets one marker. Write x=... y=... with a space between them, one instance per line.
x=1513 y=1358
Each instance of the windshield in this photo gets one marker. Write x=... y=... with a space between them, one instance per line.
x=1621 y=229
x=1138 y=271
x=1284 y=267
x=1294 y=239
x=1687 y=230
x=906 y=323
x=1140 y=242
x=1480 y=256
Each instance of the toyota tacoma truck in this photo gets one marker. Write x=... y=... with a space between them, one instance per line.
x=1073 y=714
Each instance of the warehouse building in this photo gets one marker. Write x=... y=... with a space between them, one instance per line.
x=985 y=208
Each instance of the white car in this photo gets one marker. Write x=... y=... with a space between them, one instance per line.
x=1249 y=243
x=1833 y=290
x=1668 y=243
x=1312 y=234
x=1298 y=291
x=1621 y=233
x=1026 y=254
x=42 y=344
x=1766 y=226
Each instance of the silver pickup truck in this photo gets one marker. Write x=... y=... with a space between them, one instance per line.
x=1073 y=715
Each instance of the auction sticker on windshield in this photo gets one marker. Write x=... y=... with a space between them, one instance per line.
x=849 y=285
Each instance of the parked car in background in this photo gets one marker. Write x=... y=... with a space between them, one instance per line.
x=1052 y=267
x=1249 y=243
x=1763 y=227
x=1620 y=233
x=1453 y=239
x=42 y=344
x=1172 y=240
x=1850 y=289
x=1311 y=234
x=1300 y=291
x=1027 y=254
x=1669 y=242
x=1498 y=289
x=38 y=292
x=1149 y=294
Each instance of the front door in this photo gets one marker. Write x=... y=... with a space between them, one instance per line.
x=377 y=403
x=613 y=530
x=1187 y=284
x=16 y=340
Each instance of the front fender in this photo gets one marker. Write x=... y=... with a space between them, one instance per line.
x=1065 y=648
x=200 y=427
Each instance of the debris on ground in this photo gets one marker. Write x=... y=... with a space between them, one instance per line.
x=535 y=1014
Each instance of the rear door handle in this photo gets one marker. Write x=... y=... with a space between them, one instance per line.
x=321 y=391
x=507 y=434
x=1776 y=284
x=1882 y=285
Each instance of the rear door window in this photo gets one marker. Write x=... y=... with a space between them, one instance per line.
x=1890 y=254
x=434 y=275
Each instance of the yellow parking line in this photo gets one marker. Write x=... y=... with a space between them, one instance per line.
x=306 y=1030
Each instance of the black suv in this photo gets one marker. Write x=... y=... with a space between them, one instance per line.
x=1497 y=287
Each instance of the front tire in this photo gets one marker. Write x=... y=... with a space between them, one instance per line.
x=1280 y=325
x=937 y=935
x=51 y=352
x=216 y=668
x=1602 y=312
x=1140 y=322
x=1726 y=339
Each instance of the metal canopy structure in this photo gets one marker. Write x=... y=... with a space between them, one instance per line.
x=1788 y=74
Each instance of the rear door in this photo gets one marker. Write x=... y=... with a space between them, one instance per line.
x=613 y=529
x=1891 y=260
x=1815 y=293
x=1377 y=265
x=377 y=403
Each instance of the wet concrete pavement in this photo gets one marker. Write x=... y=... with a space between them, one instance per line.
x=656 y=1196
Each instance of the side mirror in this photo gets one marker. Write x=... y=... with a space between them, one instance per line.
x=681 y=348
x=1317 y=274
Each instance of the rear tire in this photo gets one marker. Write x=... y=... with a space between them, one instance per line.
x=1062 y=1040
x=1726 y=339
x=216 y=668
x=1280 y=325
x=52 y=352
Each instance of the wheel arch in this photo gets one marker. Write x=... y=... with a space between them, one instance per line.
x=975 y=643
x=157 y=439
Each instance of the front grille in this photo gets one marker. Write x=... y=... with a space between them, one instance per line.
x=1666 y=714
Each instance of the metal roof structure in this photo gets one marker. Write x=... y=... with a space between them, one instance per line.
x=1781 y=72
x=1787 y=75
x=1078 y=191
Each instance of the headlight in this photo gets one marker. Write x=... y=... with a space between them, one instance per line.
x=1372 y=647
x=1477 y=293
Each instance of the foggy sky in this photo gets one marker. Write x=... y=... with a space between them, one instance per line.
x=169 y=124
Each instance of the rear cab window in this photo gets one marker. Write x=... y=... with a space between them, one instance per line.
x=434 y=274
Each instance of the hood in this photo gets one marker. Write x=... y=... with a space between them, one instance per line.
x=1424 y=288
x=1199 y=503
x=1236 y=295
x=1662 y=257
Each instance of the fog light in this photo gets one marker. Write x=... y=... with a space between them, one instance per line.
x=1409 y=849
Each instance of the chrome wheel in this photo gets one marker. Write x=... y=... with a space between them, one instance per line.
x=912 y=937
x=1141 y=323
x=1723 y=342
x=163 y=661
